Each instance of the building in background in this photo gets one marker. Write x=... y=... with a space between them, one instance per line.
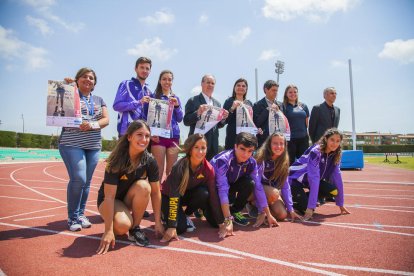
x=377 y=138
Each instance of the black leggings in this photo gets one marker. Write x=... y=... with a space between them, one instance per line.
x=196 y=198
x=296 y=147
x=239 y=192
x=300 y=197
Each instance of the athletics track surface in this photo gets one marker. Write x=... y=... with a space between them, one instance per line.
x=376 y=239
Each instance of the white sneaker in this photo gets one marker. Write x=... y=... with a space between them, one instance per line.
x=74 y=225
x=84 y=222
x=190 y=225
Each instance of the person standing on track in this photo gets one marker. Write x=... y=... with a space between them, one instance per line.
x=191 y=184
x=318 y=170
x=80 y=147
x=125 y=188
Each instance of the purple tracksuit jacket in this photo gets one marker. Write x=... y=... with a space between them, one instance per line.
x=228 y=171
x=312 y=167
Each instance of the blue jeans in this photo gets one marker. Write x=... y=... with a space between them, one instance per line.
x=81 y=164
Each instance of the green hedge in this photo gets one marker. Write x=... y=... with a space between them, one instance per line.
x=8 y=139
x=383 y=148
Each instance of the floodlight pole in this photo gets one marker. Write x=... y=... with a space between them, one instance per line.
x=280 y=68
x=23 y=122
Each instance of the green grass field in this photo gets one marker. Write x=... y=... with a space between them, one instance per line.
x=407 y=162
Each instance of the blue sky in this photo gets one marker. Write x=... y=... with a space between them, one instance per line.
x=51 y=39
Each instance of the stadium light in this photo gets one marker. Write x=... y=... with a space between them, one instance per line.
x=280 y=68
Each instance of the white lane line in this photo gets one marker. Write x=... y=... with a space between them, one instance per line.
x=373 y=225
x=373 y=189
x=380 y=209
x=37 y=180
x=40 y=193
x=46 y=188
x=359 y=268
x=37 y=211
x=359 y=228
x=48 y=174
x=373 y=182
x=25 y=198
x=380 y=206
x=34 y=218
x=257 y=257
x=382 y=197
x=123 y=242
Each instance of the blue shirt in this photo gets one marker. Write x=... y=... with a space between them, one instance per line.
x=296 y=116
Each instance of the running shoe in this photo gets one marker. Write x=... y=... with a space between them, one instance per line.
x=252 y=210
x=138 y=236
x=190 y=225
x=84 y=222
x=198 y=213
x=240 y=219
x=74 y=225
x=146 y=214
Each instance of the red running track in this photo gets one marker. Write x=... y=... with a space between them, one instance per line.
x=377 y=238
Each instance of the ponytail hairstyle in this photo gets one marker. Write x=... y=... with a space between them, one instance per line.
x=265 y=153
x=158 y=89
x=119 y=159
x=323 y=142
x=185 y=163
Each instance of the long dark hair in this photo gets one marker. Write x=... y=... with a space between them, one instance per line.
x=119 y=159
x=185 y=162
x=158 y=89
x=323 y=142
x=234 y=88
x=264 y=153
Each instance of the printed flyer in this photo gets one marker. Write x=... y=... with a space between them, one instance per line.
x=244 y=119
x=159 y=117
x=209 y=118
x=63 y=105
x=279 y=122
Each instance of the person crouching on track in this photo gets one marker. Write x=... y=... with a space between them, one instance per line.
x=191 y=183
x=318 y=170
x=237 y=179
x=273 y=167
x=125 y=188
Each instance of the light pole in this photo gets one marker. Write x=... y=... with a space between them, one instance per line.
x=280 y=68
x=23 y=122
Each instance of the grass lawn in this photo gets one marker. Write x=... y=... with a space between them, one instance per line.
x=407 y=162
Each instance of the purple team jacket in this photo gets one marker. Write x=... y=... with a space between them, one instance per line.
x=127 y=103
x=265 y=171
x=228 y=171
x=314 y=166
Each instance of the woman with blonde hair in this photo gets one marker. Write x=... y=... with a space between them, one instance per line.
x=273 y=168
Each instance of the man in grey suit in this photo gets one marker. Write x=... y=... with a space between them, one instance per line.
x=324 y=116
x=197 y=105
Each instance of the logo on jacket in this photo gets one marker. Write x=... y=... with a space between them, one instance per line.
x=124 y=177
x=200 y=176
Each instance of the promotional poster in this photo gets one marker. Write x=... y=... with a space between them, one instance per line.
x=209 y=119
x=63 y=105
x=279 y=122
x=159 y=117
x=244 y=120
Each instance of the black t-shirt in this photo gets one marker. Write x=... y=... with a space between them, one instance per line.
x=124 y=181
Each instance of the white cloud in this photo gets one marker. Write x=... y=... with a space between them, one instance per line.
x=241 y=35
x=399 y=50
x=43 y=7
x=203 y=19
x=339 y=64
x=40 y=24
x=152 y=48
x=269 y=54
x=196 y=90
x=13 y=50
x=72 y=27
x=159 y=17
x=313 y=10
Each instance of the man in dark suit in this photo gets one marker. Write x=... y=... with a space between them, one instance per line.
x=261 y=110
x=197 y=105
x=324 y=116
